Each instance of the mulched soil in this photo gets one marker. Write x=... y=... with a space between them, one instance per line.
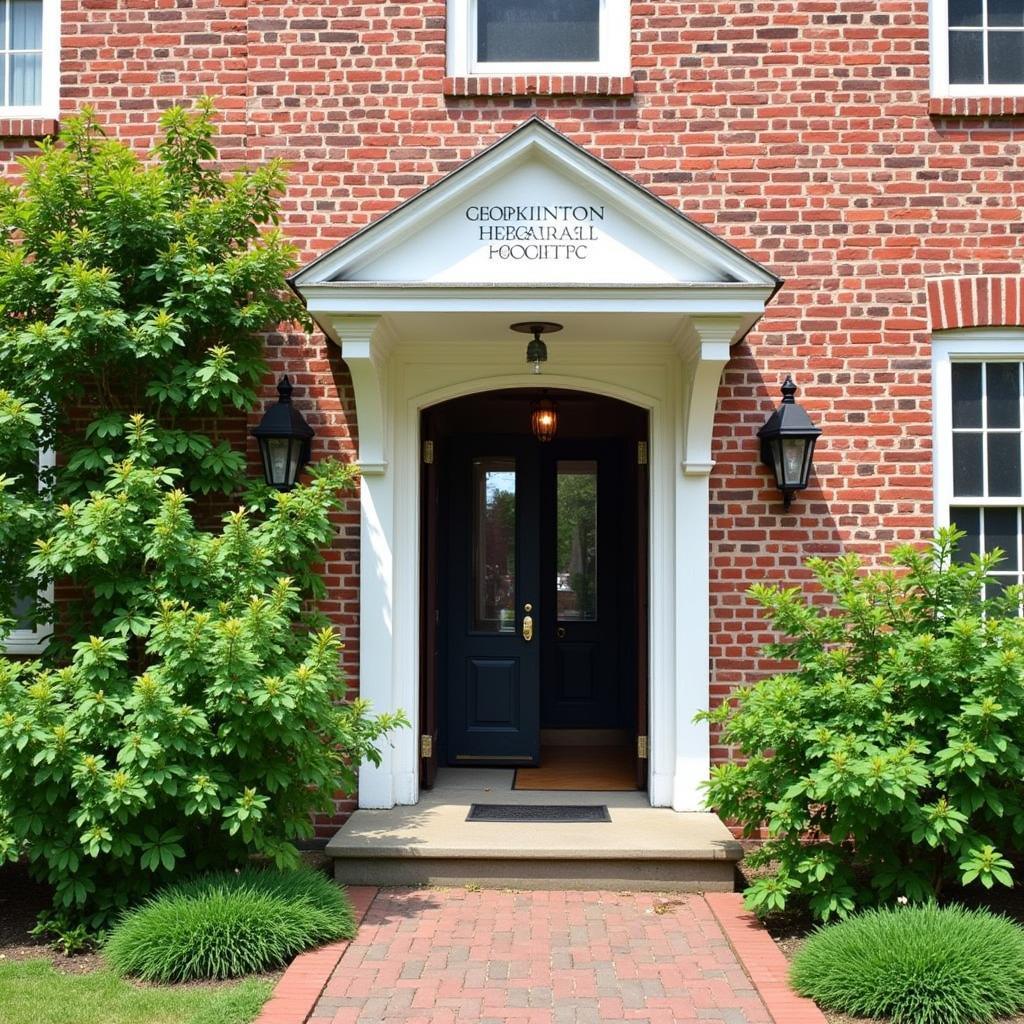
x=790 y=930
x=21 y=901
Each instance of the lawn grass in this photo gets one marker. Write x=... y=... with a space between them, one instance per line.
x=32 y=992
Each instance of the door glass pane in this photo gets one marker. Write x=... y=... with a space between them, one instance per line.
x=494 y=545
x=538 y=30
x=576 y=544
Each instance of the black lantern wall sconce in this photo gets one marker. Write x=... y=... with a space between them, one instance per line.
x=284 y=438
x=787 y=444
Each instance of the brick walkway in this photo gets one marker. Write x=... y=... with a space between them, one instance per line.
x=446 y=956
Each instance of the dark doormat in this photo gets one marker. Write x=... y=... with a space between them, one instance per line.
x=538 y=812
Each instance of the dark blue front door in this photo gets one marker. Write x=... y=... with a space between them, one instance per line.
x=493 y=602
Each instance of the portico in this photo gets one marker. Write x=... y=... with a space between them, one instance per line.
x=420 y=303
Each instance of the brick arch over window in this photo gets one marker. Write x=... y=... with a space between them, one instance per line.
x=957 y=302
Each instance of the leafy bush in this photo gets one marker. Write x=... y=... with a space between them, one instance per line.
x=208 y=724
x=917 y=965
x=228 y=925
x=888 y=761
x=129 y=283
x=191 y=706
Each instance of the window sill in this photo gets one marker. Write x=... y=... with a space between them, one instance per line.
x=539 y=85
x=27 y=127
x=976 y=106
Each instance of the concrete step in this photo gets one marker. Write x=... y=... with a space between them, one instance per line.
x=431 y=843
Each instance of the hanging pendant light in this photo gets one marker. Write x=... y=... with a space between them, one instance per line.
x=537 y=350
x=544 y=420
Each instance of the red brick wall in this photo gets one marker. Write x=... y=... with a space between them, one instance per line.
x=799 y=130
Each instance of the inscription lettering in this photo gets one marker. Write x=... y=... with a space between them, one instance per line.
x=537 y=232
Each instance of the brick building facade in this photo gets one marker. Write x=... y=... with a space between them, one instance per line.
x=819 y=140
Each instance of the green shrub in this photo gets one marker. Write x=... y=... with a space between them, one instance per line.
x=888 y=761
x=229 y=924
x=211 y=725
x=917 y=965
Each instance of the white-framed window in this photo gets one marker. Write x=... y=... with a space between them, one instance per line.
x=977 y=47
x=542 y=37
x=979 y=443
x=26 y=637
x=29 y=58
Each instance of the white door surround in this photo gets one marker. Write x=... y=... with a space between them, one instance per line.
x=655 y=332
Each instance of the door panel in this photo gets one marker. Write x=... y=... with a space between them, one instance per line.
x=582 y=530
x=493 y=675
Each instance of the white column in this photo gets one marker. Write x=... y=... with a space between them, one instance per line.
x=705 y=351
x=364 y=350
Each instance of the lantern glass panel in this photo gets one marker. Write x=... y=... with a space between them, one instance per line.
x=278 y=457
x=793 y=451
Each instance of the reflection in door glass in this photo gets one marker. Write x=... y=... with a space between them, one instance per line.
x=494 y=545
x=576 y=554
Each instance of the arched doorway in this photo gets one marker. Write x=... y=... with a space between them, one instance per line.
x=534 y=589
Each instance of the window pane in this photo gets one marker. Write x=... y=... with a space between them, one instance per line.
x=22 y=613
x=576 y=553
x=965 y=63
x=1002 y=386
x=26 y=79
x=1001 y=532
x=494 y=545
x=967 y=476
x=3 y=80
x=26 y=24
x=965 y=12
x=1006 y=12
x=968 y=520
x=538 y=30
x=1004 y=465
x=966 y=394
x=1006 y=57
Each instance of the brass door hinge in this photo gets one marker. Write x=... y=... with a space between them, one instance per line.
x=641 y=453
x=641 y=747
x=426 y=746
x=428 y=452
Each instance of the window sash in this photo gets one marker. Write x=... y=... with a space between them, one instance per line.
x=48 y=93
x=614 y=34
x=939 y=28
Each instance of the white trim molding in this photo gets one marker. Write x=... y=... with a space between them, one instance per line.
x=614 y=46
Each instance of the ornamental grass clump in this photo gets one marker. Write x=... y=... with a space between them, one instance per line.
x=885 y=759
x=916 y=965
x=229 y=925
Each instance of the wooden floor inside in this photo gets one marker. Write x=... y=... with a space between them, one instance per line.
x=595 y=769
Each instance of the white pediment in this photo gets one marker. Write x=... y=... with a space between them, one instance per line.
x=535 y=209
